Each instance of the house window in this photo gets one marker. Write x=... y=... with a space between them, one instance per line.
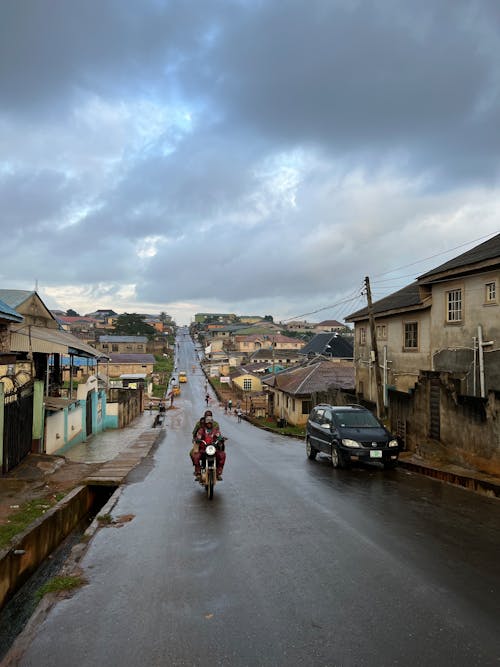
x=491 y=292
x=306 y=407
x=104 y=346
x=114 y=347
x=362 y=336
x=247 y=384
x=381 y=332
x=411 y=336
x=454 y=305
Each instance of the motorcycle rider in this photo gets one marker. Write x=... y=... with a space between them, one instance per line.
x=209 y=434
x=201 y=422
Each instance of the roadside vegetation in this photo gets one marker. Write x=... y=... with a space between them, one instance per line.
x=59 y=584
x=23 y=516
x=162 y=369
x=271 y=424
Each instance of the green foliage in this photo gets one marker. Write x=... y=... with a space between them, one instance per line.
x=132 y=324
x=163 y=367
x=72 y=313
x=60 y=583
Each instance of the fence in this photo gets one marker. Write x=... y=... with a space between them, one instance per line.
x=18 y=426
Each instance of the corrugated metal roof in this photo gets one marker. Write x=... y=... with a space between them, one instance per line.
x=131 y=358
x=8 y=313
x=14 y=297
x=123 y=339
x=49 y=341
x=316 y=377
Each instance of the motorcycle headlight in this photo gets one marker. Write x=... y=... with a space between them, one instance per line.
x=350 y=443
x=393 y=443
x=210 y=450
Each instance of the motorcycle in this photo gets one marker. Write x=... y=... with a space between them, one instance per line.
x=208 y=466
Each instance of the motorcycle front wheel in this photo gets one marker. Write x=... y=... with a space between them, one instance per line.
x=210 y=483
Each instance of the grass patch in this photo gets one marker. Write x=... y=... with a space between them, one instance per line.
x=20 y=519
x=105 y=519
x=59 y=584
x=285 y=430
x=162 y=369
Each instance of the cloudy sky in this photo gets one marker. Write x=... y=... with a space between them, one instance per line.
x=248 y=156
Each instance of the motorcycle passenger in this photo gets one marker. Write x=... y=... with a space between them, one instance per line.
x=209 y=434
x=201 y=422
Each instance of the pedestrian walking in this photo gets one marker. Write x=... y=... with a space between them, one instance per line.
x=207 y=399
x=150 y=407
x=239 y=413
x=225 y=407
x=230 y=405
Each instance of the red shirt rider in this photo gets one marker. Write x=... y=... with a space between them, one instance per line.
x=209 y=434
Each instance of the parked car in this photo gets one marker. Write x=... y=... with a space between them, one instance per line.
x=183 y=376
x=349 y=433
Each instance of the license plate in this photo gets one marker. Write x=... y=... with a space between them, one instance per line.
x=376 y=454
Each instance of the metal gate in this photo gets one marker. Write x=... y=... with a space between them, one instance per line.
x=400 y=406
x=89 y=413
x=434 y=409
x=18 y=426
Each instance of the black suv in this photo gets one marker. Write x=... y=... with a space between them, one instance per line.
x=349 y=433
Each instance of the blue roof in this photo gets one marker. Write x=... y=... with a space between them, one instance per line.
x=14 y=297
x=8 y=313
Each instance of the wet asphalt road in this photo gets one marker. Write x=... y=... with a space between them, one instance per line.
x=292 y=563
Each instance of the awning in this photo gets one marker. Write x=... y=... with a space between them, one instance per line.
x=50 y=341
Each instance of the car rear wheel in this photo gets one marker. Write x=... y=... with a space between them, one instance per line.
x=310 y=450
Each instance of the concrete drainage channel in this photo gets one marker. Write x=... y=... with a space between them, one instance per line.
x=74 y=516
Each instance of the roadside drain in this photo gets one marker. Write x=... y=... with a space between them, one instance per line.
x=53 y=543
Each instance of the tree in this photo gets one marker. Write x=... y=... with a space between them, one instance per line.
x=132 y=324
x=268 y=318
x=72 y=313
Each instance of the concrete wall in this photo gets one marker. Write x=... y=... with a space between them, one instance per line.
x=469 y=426
x=40 y=539
x=453 y=343
x=115 y=370
x=403 y=365
x=64 y=427
x=256 y=383
x=123 y=407
x=55 y=429
x=111 y=420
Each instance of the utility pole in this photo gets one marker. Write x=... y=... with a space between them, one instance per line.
x=373 y=335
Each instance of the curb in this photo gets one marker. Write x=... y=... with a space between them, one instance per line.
x=473 y=482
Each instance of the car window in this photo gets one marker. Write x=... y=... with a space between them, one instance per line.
x=356 y=419
x=327 y=418
x=317 y=415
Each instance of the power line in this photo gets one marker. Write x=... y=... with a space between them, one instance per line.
x=354 y=295
x=419 y=261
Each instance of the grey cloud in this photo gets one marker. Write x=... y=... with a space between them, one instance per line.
x=396 y=92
